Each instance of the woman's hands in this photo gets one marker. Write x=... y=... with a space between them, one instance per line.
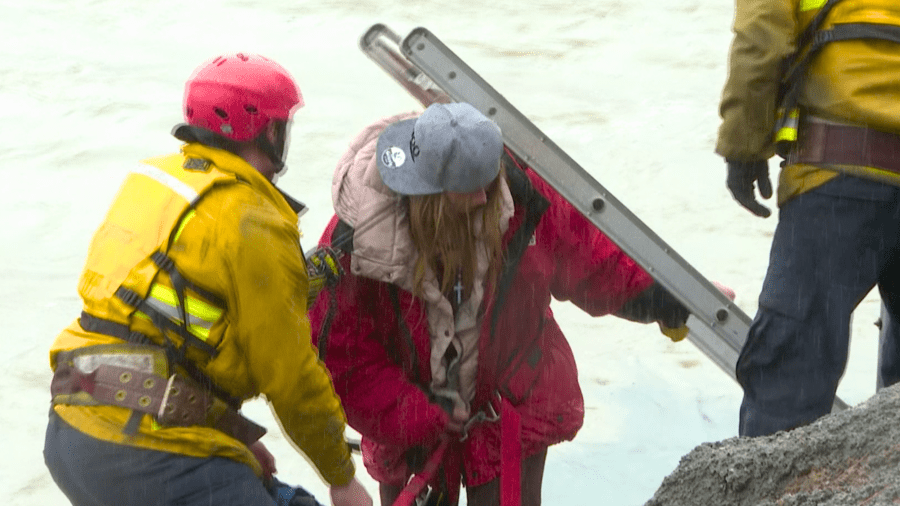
x=458 y=419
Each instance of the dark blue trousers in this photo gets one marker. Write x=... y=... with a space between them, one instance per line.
x=91 y=472
x=832 y=245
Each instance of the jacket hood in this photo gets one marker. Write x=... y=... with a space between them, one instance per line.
x=382 y=246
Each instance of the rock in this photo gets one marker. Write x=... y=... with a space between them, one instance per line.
x=844 y=459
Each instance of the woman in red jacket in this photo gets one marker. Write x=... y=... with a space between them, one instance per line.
x=439 y=337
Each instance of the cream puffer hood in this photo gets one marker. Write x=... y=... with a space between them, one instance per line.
x=383 y=249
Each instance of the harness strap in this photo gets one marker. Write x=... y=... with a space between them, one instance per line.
x=96 y=325
x=510 y=461
x=417 y=483
x=179 y=282
x=838 y=33
x=165 y=263
x=341 y=244
x=810 y=30
x=394 y=292
x=535 y=205
x=510 y=455
x=325 y=328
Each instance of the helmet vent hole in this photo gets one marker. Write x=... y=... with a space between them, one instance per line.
x=251 y=109
x=189 y=112
x=221 y=113
x=243 y=57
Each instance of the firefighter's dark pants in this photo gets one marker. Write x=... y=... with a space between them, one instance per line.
x=832 y=245
x=92 y=472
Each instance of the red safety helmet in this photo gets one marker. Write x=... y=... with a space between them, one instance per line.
x=238 y=95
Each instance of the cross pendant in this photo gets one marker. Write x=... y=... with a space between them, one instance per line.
x=458 y=288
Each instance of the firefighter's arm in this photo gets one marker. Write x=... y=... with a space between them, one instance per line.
x=270 y=297
x=764 y=32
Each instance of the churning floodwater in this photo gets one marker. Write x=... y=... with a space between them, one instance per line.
x=629 y=89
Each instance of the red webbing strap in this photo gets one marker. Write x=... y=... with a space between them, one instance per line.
x=409 y=493
x=510 y=455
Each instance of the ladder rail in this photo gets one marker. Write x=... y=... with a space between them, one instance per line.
x=576 y=185
x=431 y=72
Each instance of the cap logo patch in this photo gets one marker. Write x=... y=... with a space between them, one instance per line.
x=393 y=157
x=413 y=147
x=197 y=164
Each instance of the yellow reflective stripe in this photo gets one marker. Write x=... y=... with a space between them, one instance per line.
x=809 y=5
x=195 y=307
x=196 y=326
x=166 y=179
x=184 y=221
x=200 y=332
x=788 y=132
x=201 y=315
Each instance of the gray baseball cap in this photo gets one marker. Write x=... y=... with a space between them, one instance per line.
x=450 y=147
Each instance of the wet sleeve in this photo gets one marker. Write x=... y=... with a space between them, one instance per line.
x=270 y=290
x=369 y=357
x=764 y=31
x=596 y=275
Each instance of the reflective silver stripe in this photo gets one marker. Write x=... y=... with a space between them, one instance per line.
x=88 y=363
x=169 y=180
x=174 y=315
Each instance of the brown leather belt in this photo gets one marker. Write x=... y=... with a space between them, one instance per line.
x=174 y=401
x=830 y=144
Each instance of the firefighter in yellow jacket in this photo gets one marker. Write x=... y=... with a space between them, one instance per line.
x=194 y=296
x=815 y=81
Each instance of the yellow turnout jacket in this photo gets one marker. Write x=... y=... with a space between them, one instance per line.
x=240 y=241
x=850 y=82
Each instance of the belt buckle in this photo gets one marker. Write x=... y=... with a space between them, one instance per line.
x=481 y=416
x=182 y=405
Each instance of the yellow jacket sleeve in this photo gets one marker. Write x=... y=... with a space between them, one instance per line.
x=764 y=33
x=268 y=307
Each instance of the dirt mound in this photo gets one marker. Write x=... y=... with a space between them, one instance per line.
x=845 y=459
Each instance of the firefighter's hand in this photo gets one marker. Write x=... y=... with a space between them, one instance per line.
x=742 y=179
x=351 y=494
x=266 y=460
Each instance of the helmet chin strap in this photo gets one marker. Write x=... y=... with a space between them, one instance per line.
x=276 y=152
x=282 y=171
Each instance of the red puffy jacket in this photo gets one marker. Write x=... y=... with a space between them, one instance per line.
x=375 y=340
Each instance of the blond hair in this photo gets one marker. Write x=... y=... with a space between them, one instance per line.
x=448 y=245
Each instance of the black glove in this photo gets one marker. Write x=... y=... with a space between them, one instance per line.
x=655 y=304
x=741 y=179
x=286 y=495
